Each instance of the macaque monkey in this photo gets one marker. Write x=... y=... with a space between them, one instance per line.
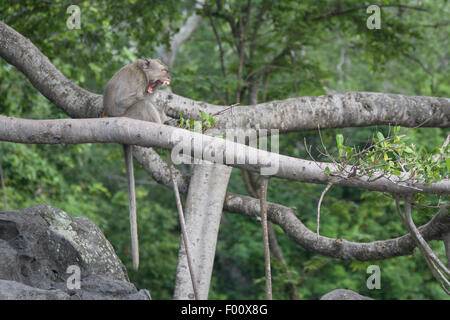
x=126 y=95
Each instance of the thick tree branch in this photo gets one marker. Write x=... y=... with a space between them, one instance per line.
x=337 y=248
x=353 y=109
x=21 y=53
x=148 y=134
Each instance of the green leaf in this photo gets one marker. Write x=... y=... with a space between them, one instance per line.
x=340 y=141
x=191 y=123
x=349 y=151
x=380 y=136
x=409 y=150
x=211 y=121
x=182 y=122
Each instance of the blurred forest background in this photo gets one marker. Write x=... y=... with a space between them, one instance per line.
x=311 y=48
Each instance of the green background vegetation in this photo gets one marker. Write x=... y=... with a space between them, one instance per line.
x=409 y=55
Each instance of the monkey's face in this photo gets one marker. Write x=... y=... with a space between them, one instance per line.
x=157 y=73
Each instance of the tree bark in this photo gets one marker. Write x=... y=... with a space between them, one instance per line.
x=446 y=240
x=149 y=134
x=338 y=248
x=352 y=109
x=204 y=205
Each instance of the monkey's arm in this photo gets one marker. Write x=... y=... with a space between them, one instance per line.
x=145 y=110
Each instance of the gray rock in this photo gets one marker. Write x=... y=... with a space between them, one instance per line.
x=39 y=243
x=97 y=287
x=13 y=290
x=344 y=294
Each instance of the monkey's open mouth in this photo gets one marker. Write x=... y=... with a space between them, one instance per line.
x=154 y=84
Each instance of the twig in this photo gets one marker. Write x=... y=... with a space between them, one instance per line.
x=249 y=183
x=434 y=263
x=421 y=240
x=226 y=109
x=437 y=157
x=183 y=231
x=294 y=60
x=221 y=52
x=325 y=148
x=263 y=204
x=318 y=207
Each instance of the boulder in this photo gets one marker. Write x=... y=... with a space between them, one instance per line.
x=344 y=294
x=39 y=244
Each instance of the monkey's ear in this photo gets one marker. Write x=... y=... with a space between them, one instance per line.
x=146 y=63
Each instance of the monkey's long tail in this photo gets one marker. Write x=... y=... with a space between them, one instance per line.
x=132 y=198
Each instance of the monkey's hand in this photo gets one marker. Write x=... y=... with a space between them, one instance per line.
x=171 y=122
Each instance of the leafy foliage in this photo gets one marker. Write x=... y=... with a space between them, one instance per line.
x=394 y=156
x=207 y=121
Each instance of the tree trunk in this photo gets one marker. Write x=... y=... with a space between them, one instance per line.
x=203 y=211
